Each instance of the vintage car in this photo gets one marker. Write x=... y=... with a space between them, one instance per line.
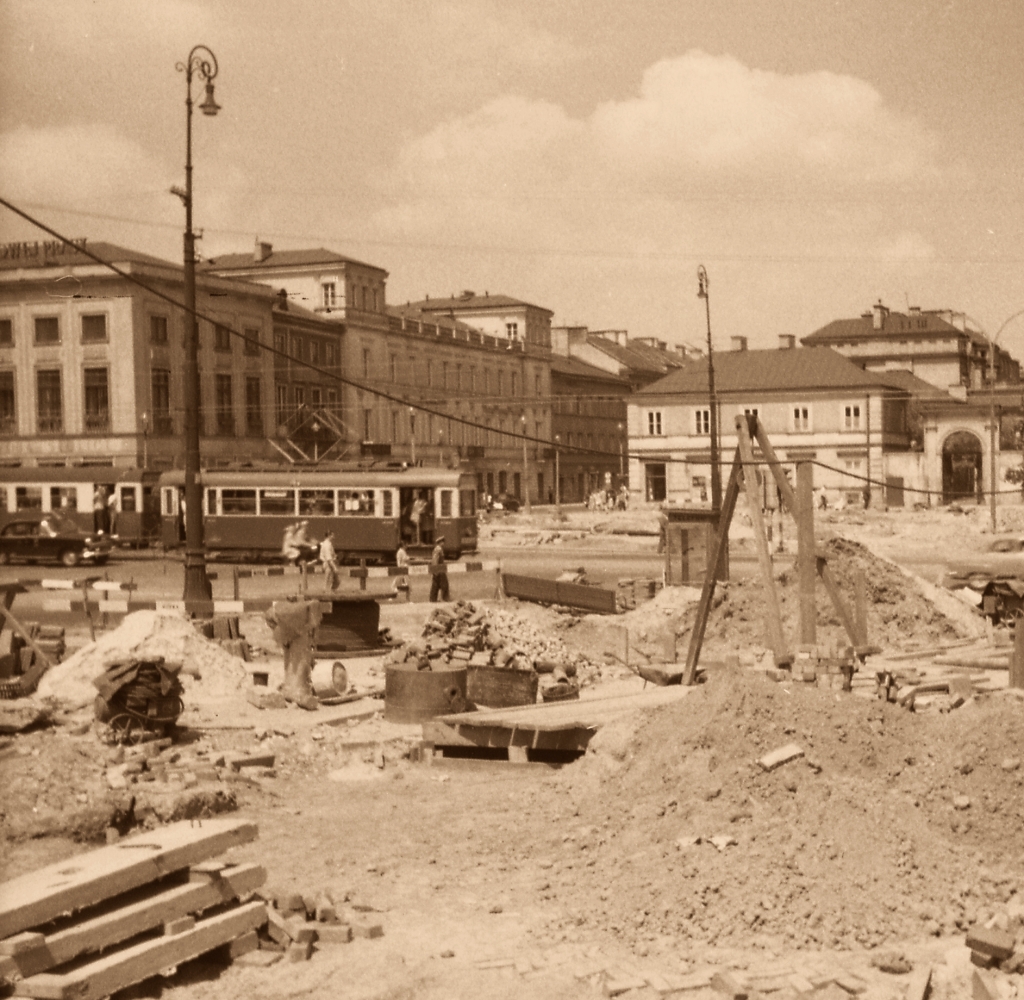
x=50 y=538
x=1002 y=558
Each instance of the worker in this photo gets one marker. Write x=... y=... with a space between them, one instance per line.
x=438 y=572
x=419 y=506
x=402 y=562
x=329 y=558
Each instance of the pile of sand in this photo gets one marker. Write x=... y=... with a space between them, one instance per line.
x=208 y=670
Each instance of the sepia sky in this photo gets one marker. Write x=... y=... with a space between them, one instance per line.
x=814 y=155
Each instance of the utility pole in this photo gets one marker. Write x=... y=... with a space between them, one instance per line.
x=526 y=469
x=716 y=482
x=558 y=478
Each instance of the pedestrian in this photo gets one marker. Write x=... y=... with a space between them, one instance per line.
x=289 y=549
x=100 y=515
x=402 y=581
x=329 y=558
x=438 y=572
x=419 y=506
x=112 y=511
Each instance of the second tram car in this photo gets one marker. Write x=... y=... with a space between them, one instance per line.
x=246 y=513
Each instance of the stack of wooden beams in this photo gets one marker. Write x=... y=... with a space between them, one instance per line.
x=101 y=921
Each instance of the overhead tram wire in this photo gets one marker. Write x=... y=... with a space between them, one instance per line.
x=390 y=397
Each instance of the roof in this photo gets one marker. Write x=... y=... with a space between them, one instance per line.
x=895 y=326
x=636 y=356
x=469 y=301
x=411 y=311
x=580 y=369
x=279 y=259
x=801 y=368
x=49 y=253
x=903 y=379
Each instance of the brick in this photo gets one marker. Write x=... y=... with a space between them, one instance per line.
x=179 y=926
x=305 y=931
x=801 y=983
x=783 y=755
x=367 y=929
x=728 y=985
x=243 y=945
x=299 y=951
x=983 y=961
x=252 y=760
x=990 y=941
x=334 y=934
x=920 y=982
x=291 y=902
x=278 y=927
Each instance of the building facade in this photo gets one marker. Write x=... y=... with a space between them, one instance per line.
x=92 y=361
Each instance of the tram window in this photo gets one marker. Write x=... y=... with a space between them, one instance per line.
x=316 y=502
x=169 y=501
x=211 y=501
x=128 y=503
x=388 y=505
x=357 y=502
x=446 y=503
x=64 y=498
x=277 y=502
x=467 y=503
x=28 y=498
x=238 y=501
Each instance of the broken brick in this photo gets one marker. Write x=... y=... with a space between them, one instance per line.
x=990 y=941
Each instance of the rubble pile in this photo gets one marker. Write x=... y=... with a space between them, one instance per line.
x=472 y=636
x=781 y=815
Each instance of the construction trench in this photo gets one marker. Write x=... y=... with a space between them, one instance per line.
x=549 y=815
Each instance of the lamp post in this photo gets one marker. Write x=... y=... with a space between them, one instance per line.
x=558 y=478
x=526 y=468
x=716 y=483
x=203 y=63
x=993 y=437
x=145 y=440
x=622 y=468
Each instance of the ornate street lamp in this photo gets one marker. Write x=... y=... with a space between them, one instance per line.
x=201 y=62
x=716 y=482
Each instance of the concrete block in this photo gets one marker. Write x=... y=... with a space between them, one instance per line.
x=729 y=985
x=305 y=931
x=334 y=934
x=990 y=941
x=367 y=929
x=299 y=951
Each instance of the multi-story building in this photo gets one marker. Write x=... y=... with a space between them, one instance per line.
x=940 y=346
x=478 y=366
x=639 y=360
x=588 y=421
x=92 y=361
x=814 y=404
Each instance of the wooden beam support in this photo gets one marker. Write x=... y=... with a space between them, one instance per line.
x=773 y=613
x=791 y=500
x=837 y=600
x=732 y=492
x=805 y=558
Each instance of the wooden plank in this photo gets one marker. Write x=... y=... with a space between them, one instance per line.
x=86 y=879
x=124 y=968
x=531 y=588
x=806 y=574
x=732 y=492
x=568 y=738
x=837 y=598
x=773 y=613
x=134 y=916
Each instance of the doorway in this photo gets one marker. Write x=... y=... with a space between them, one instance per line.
x=961 y=467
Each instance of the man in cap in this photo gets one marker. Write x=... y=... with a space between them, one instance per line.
x=438 y=571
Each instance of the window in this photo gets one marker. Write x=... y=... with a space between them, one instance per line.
x=329 y=356
x=367 y=425
x=6 y=333
x=393 y=368
x=366 y=362
x=851 y=417
x=94 y=329
x=356 y=503
x=536 y=385
x=852 y=464
x=515 y=384
x=654 y=422
x=281 y=402
x=277 y=502
x=64 y=498
x=252 y=342
x=328 y=294
x=654 y=481
x=49 y=408
x=801 y=418
x=238 y=501
x=389 y=504
x=332 y=400
x=28 y=498
x=458 y=377
x=512 y=331
x=253 y=407
x=221 y=338
x=394 y=426
x=158 y=329
x=316 y=503
x=8 y=414
x=444 y=374
x=281 y=342
x=222 y=404
x=702 y=421
x=446 y=503
x=300 y=397
x=315 y=397
x=97 y=402
x=430 y=373
x=47 y=330
x=160 y=385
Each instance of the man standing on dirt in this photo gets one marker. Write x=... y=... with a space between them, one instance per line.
x=438 y=572
x=329 y=558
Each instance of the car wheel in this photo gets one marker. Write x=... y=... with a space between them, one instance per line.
x=69 y=557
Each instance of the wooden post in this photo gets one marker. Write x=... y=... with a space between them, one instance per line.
x=806 y=569
x=362 y=574
x=234 y=582
x=773 y=614
x=1017 y=658
x=837 y=600
x=24 y=633
x=860 y=605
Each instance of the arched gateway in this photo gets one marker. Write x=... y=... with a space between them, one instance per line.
x=961 y=467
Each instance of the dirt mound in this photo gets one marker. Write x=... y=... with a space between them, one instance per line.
x=891 y=825
x=208 y=671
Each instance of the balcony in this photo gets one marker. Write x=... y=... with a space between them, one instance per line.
x=50 y=423
x=97 y=423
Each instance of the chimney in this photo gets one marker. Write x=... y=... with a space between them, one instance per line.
x=787 y=341
x=914 y=310
x=262 y=252
x=739 y=343
x=879 y=312
x=282 y=299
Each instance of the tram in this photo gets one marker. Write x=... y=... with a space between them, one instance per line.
x=246 y=513
x=70 y=491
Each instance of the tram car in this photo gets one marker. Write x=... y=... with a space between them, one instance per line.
x=71 y=491
x=246 y=513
